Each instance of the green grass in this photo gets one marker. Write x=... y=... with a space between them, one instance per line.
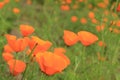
x=50 y=22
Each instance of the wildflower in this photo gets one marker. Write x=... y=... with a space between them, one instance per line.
x=16 y=66
x=6 y=1
x=68 y=1
x=51 y=63
x=8 y=49
x=94 y=21
x=26 y=30
x=42 y=45
x=100 y=28
x=29 y=2
x=118 y=8
x=91 y=15
x=19 y=44
x=115 y=30
x=74 y=18
x=16 y=10
x=75 y=6
x=65 y=7
x=7 y=56
x=61 y=52
x=102 y=5
x=101 y=43
x=87 y=38
x=83 y=20
x=1 y=5
x=70 y=38
x=118 y=23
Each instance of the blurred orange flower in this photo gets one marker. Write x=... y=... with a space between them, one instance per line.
x=26 y=30
x=102 y=5
x=1 y=5
x=68 y=1
x=51 y=63
x=87 y=38
x=16 y=66
x=8 y=49
x=83 y=20
x=101 y=43
x=16 y=10
x=65 y=7
x=118 y=8
x=70 y=38
x=7 y=56
x=74 y=18
x=91 y=15
x=6 y=1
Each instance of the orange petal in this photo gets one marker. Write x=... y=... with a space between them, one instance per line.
x=60 y=52
x=7 y=56
x=16 y=10
x=87 y=38
x=74 y=19
x=8 y=49
x=51 y=63
x=70 y=38
x=16 y=66
x=91 y=15
x=42 y=45
x=26 y=30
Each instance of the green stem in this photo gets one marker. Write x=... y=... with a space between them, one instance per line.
x=27 y=65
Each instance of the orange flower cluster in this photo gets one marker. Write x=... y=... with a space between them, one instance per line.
x=33 y=47
x=2 y=4
x=85 y=37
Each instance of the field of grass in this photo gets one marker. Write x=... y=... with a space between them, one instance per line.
x=50 y=19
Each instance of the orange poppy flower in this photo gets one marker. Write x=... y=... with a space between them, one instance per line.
x=29 y=2
x=65 y=7
x=87 y=38
x=118 y=8
x=118 y=23
x=83 y=20
x=26 y=30
x=91 y=15
x=70 y=38
x=51 y=63
x=102 y=5
x=7 y=56
x=75 y=6
x=68 y=1
x=42 y=45
x=60 y=52
x=1 y=5
x=19 y=44
x=16 y=66
x=74 y=19
x=8 y=49
x=101 y=43
x=16 y=10
x=110 y=29
x=100 y=28
x=93 y=20
x=115 y=30
x=6 y=1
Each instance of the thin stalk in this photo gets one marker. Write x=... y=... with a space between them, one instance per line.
x=28 y=61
